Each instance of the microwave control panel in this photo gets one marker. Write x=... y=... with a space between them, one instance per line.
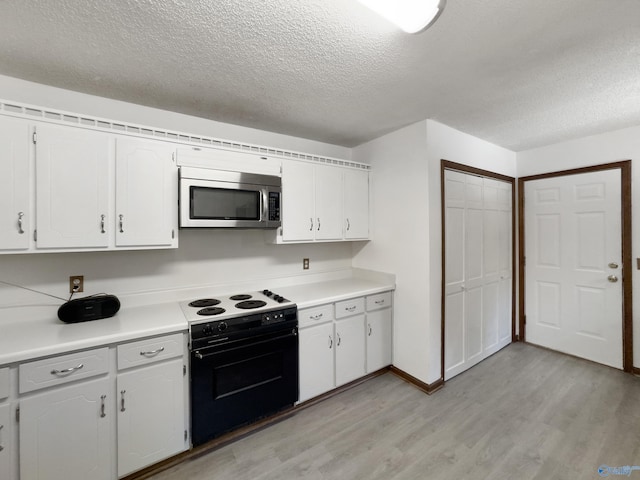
x=274 y=206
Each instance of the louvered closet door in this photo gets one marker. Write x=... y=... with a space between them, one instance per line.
x=477 y=269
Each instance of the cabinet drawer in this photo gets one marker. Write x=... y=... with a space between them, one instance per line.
x=150 y=350
x=63 y=369
x=376 y=302
x=4 y=383
x=315 y=315
x=349 y=307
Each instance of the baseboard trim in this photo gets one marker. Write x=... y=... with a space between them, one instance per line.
x=244 y=431
x=427 y=388
x=635 y=370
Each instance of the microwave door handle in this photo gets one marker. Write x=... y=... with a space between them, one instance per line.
x=265 y=207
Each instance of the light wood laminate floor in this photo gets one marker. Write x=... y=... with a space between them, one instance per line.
x=524 y=413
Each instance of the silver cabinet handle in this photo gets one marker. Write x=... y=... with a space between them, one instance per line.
x=348 y=225
x=379 y=302
x=350 y=309
x=330 y=342
x=316 y=317
x=152 y=352
x=66 y=371
x=1 y=446
x=612 y=278
x=20 y=229
x=122 y=392
x=311 y=227
x=102 y=230
x=121 y=223
x=339 y=339
x=102 y=406
x=370 y=330
x=318 y=223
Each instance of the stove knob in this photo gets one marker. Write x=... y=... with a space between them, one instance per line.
x=207 y=330
x=222 y=326
x=266 y=292
x=280 y=300
x=277 y=298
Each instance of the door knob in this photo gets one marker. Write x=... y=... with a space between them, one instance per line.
x=613 y=265
x=612 y=278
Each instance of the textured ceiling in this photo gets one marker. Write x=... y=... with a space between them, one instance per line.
x=519 y=73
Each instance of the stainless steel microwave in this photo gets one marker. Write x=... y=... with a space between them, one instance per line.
x=224 y=199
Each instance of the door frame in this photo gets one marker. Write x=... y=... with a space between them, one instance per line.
x=459 y=167
x=627 y=267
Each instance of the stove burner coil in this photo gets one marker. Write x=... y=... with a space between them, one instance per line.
x=204 y=302
x=211 y=311
x=240 y=297
x=249 y=304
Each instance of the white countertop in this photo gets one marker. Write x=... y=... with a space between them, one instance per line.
x=29 y=332
x=33 y=332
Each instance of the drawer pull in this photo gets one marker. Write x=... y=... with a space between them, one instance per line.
x=316 y=317
x=350 y=309
x=66 y=371
x=152 y=352
x=102 y=399
x=379 y=302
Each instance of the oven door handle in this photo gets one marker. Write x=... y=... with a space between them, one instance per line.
x=218 y=349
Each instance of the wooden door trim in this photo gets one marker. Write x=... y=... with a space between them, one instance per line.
x=459 y=167
x=627 y=263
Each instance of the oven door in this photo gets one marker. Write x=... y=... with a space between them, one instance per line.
x=239 y=382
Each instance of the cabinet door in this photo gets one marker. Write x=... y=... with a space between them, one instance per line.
x=146 y=193
x=378 y=339
x=66 y=433
x=316 y=360
x=72 y=187
x=356 y=204
x=6 y=442
x=151 y=425
x=328 y=202
x=15 y=184
x=298 y=222
x=350 y=349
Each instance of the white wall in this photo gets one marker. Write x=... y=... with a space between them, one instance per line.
x=593 y=150
x=205 y=257
x=56 y=98
x=400 y=232
x=405 y=183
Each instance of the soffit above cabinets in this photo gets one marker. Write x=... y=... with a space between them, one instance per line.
x=518 y=73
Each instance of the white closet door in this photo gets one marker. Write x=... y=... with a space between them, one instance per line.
x=477 y=269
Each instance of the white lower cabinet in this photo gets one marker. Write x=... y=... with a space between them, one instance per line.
x=150 y=414
x=316 y=361
x=378 y=339
x=342 y=342
x=350 y=349
x=75 y=408
x=6 y=442
x=65 y=433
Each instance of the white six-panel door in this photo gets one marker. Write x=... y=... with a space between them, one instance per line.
x=478 y=259
x=573 y=265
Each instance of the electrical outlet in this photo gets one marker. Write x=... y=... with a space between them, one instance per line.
x=305 y=264
x=76 y=284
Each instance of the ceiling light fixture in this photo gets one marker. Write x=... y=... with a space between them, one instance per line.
x=412 y=16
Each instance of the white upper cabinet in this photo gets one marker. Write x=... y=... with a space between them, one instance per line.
x=15 y=184
x=146 y=193
x=323 y=203
x=298 y=198
x=72 y=182
x=356 y=204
